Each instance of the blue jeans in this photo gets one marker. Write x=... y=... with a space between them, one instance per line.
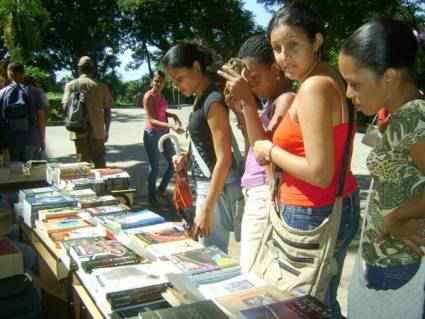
x=305 y=218
x=150 y=140
x=384 y=278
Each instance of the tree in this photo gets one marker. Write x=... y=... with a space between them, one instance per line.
x=344 y=17
x=22 y=23
x=78 y=28
x=161 y=24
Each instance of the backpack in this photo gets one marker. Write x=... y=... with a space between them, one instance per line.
x=76 y=119
x=16 y=109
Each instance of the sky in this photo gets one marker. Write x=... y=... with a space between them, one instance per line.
x=262 y=17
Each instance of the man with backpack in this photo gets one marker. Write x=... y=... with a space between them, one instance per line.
x=22 y=111
x=88 y=104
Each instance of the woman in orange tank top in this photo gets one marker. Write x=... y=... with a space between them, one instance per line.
x=308 y=144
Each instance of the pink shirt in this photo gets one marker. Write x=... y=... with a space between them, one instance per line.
x=160 y=105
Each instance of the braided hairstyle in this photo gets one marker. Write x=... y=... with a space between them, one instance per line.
x=258 y=48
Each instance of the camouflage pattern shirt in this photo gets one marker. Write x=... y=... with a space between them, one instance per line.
x=397 y=180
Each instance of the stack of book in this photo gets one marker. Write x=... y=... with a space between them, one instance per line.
x=99 y=252
x=58 y=229
x=114 y=178
x=97 y=185
x=202 y=260
x=130 y=220
x=98 y=201
x=31 y=206
x=295 y=308
x=80 y=194
x=60 y=171
x=132 y=285
x=37 y=192
x=47 y=215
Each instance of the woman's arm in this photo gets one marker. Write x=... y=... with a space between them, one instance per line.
x=403 y=223
x=218 y=121
x=313 y=104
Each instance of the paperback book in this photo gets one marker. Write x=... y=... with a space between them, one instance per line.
x=98 y=201
x=201 y=260
x=232 y=304
x=200 y=310
x=162 y=233
x=108 y=210
x=131 y=285
x=94 y=252
x=31 y=206
x=174 y=247
x=34 y=192
x=305 y=307
x=46 y=215
x=225 y=287
x=132 y=220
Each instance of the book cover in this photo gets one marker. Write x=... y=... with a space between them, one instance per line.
x=136 y=219
x=97 y=252
x=305 y=307
x=203 y=259
x=200 y=310
x=46 y=215
x=85 y=193
x=162 y=233
x=98 y=201
x=224 y=287
x=108 y=210
x=64 y=225
x=32 y=192
x=252 y=297
x=174 y=247
x=50 y=202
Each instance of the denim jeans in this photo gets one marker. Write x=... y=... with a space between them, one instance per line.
x=384 y=278
x=306 y=218
x=150 y=140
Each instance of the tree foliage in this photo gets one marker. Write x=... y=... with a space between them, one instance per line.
x=160 y=24
x=78 y=28
x=22 y=22
x=343 y=17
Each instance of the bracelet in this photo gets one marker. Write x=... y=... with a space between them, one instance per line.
x=270 y=153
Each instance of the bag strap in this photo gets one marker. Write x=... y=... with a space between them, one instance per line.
x=347 y=151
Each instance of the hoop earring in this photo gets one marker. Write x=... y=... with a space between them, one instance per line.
x=318 y=54
x=278 y=77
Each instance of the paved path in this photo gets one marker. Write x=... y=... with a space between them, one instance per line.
x=125 y=150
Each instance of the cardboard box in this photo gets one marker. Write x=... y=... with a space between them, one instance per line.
x=11 y=259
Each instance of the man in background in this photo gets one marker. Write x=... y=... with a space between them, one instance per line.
x=25 y=140
x=90 y=146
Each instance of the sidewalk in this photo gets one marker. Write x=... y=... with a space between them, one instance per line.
x=125 y=150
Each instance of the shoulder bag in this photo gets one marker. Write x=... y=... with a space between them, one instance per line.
x=363 y=302
x=297 y=261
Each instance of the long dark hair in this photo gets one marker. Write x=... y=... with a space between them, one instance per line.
x=382 y=44
x=184 y=55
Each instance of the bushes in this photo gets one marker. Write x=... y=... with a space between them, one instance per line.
x=56 y=111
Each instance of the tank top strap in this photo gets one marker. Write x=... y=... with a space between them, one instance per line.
x=339 y=93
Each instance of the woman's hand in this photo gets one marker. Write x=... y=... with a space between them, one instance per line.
x=179 y=161
x=176 y=127
x=203 y=223
x=237 y=86
x=409 y=231
x=262 y=151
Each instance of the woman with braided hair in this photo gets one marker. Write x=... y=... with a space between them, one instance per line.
x=266 y=82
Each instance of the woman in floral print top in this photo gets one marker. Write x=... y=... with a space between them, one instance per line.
x=377 y=62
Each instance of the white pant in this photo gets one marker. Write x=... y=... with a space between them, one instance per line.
x=257 y=207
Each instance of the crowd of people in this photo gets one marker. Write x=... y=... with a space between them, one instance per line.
x=299 y=134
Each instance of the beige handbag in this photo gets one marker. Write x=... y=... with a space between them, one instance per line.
x=301 y=262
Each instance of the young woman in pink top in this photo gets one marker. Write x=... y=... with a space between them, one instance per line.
x=157 y=125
